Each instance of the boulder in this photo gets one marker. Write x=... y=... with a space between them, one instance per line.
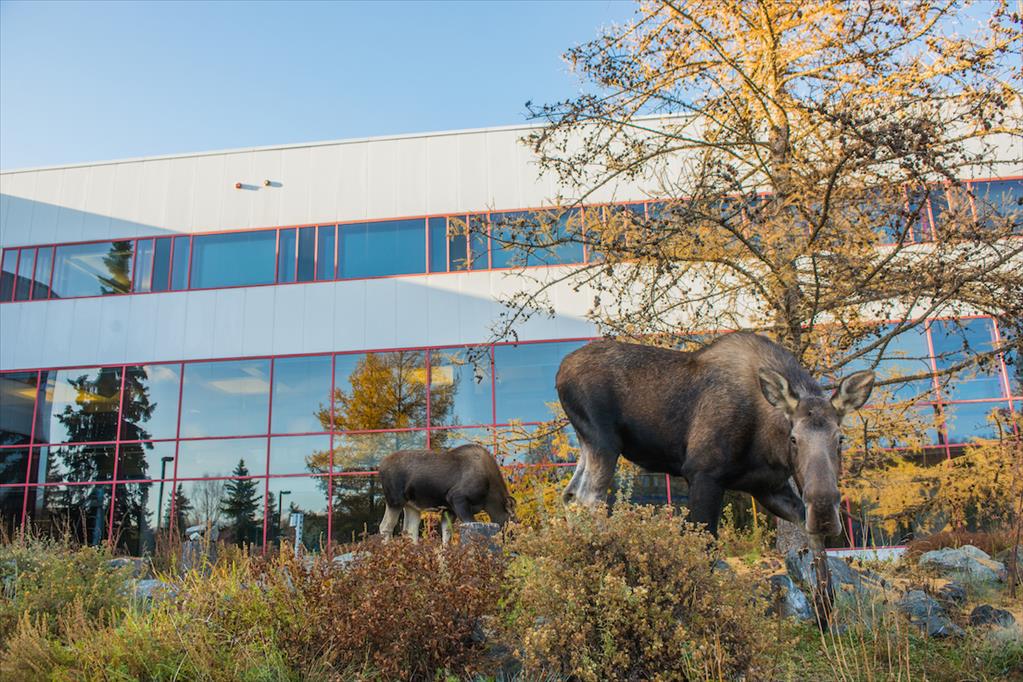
x=964 y=562
x=721 y=566
x=346 y=559
x=985 y=614
x=800 y=568
x=140 y=568
x=154 y=590
x=788 y=600
x=952 y=592
x=477 y=531
x=927 y=614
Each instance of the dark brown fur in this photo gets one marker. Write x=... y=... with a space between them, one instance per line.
x=723 y=418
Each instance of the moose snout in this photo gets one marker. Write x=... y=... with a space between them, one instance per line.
x=823 y=516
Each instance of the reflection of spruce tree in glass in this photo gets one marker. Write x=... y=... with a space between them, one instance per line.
x=386 y=391
x=241 y=502
x=93 y=417
x=182 y=507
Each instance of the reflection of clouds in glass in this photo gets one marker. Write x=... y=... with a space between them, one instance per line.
x=241 y=386
x=162 y=373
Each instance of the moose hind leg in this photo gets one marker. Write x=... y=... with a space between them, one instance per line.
x=593 y=474
x=389 y=521
x=445 y=526
x=412 y=517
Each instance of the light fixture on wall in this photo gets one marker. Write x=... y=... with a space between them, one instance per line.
x=237 y=185
x=267 y=183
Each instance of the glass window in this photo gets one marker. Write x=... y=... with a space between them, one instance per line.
x=11 y=501
x=306 y=254
x=1002 y=198
x=479 y=241
x=325 y=252
x=438 y=228
x=904 y=355
x=507 y=230
x=150 y=406
x=286 y=256
x=306 y=495
x=460 y=391
x=225 y=398
x=74 y=464
x=235 y=506
x=300 y=455
x=95 y=269
x=919 y=201
x=44 y=270
x=363 y=451
x=525 y=379
x=81 y=510
x=179 y=266
x=925 y=420
x=140 y=510
x=161 y=264
x=143 y=265
x=301 y=395
x=146 y=461
x=376 y=391
x=954 y=343
x=357 y=505
x=79 y=405
x=26 y=270
x=13 y=466
x=966 y=422
x=458 y=243
x=536 y=444
x=221 y=458
x=519 y=238
x=395 y=247
x=8 y=274
x=445 y=439
x=17 y=402
x=238 y=259
x=1013 y=358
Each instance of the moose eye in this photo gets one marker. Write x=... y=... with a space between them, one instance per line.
x=792 y=439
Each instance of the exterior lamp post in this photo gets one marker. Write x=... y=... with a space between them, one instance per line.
x=159 y=502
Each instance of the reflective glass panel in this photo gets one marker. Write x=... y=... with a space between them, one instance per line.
x=11 y=501
x=525 y=379
x=81 y=510
x=234 y=506
x=143 y=265
x=141 y=510
x=13 y=465
x=301 y=394
x=150 y=406
x=479 y=241
x=507 y=230
x=325 y=252
x=44 y=270
x=305 y=495
x=73 y=464
x=1013 y=359
x=145 y=461
x=306 y=254
x=79 y=405
x=286 y=256
x=17 y=401
x=539 y=444
x=225 y=398
x=905 y=355
x=536 y=238
x=8 y=274
x=395 y=247
x=300 y=455
x=363 y=451
x=375 y=391
x=438 y=244
x=966 y=422
x=926 y=419
x=1002 y=198
x=179 y=265
x=458 y=243
x=357 y=505
x=26 y=270
x=954 y=343
x=161 y=264
x=221 y=458
x=92 y=269
x=445 y=439
x=238 y=259
x=456 y=397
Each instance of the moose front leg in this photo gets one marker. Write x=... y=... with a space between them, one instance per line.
x=784 y=503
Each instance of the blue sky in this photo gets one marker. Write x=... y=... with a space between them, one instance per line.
x=87 y=81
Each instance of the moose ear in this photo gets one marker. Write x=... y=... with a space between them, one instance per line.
x=852 y=392
x=776 y=389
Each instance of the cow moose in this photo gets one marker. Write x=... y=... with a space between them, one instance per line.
x=464 y=481
x=738 y=414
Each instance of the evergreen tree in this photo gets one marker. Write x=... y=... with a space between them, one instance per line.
x=182 y=507
x=241 y=502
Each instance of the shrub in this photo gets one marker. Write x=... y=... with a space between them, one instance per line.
x=403 y=610
x=628 y=596
x=41 y=578
x=991 y=542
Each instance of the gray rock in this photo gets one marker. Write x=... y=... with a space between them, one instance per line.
x=788 y=599
x=985 y=614
x=477 y=531
x=953 y=593
x=154 y=590
x=140 y=568
x=721 y=566
x=800 y=568
x=346 y=559
x=926 y=614
x=964 y=562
